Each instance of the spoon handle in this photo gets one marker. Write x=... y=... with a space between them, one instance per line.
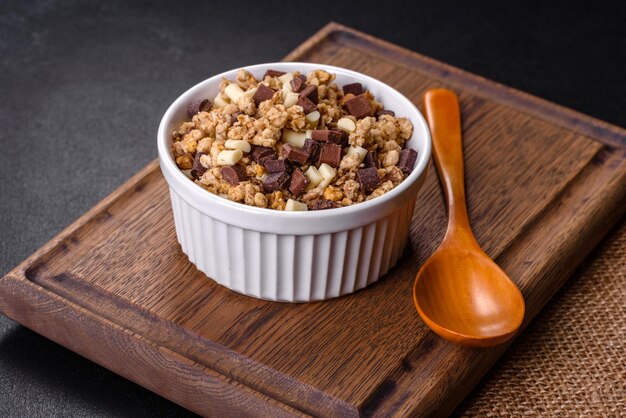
x=444 y=118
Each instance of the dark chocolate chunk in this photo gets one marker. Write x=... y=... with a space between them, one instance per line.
x=234 y=116
x=359 y=106
x=371 y=159
x=298 y=182
x=368 y=178
x=407 y=160
x=307 y=105
x=262 y=94
x=310 y=92
x=312 y=148
x=197 y=170
x=278 y=166
x=344 y=137
x=330 y=154
x=354 y=88
x=332 y=136
x=298 y=84
x=198 y=106
x=260 y=154
x=276 y=181
x=385 y=112
x=299 y=155
x=273 y=73
x=234 y=174
x=323 y=204
x=205 y=106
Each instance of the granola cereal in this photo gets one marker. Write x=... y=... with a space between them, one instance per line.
x=293 y=141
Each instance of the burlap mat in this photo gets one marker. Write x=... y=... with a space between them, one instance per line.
x=571 y=360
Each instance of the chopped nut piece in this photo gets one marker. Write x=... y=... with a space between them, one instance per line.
x=185 y=161
x=391 y=158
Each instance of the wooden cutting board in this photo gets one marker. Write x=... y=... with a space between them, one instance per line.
x=544 y=185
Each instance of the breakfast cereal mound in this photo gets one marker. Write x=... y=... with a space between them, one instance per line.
x=292 y=141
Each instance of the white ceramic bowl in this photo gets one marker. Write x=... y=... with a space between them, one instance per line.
x=293 y=256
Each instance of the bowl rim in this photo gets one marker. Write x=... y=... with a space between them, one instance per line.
x=170 y=168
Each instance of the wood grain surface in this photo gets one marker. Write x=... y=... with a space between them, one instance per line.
x=544 y=184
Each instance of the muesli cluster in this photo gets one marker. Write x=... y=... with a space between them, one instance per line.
x=292 y=141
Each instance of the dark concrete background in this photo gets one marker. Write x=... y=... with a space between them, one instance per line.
x=83 y=86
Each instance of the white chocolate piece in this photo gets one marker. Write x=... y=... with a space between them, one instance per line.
x=308 y=134
x=312 y=119
x=314 y=177
x=229 y=157
x=291 y=99
x=328 y=173
x=233 y=91
x=346 y=125
x=294 y=205
x=294 y=138
x=220 y=100
x=359 y=151
x=286 y=90
x=250 y=92
x=205 y=160
x=239 y=144
x=285 y=78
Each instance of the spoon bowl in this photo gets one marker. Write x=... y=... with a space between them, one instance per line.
x=460 y=292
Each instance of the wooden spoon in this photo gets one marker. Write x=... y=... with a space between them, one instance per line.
x=460 y=292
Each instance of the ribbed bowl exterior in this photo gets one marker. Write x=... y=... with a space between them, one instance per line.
x=290 y=268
